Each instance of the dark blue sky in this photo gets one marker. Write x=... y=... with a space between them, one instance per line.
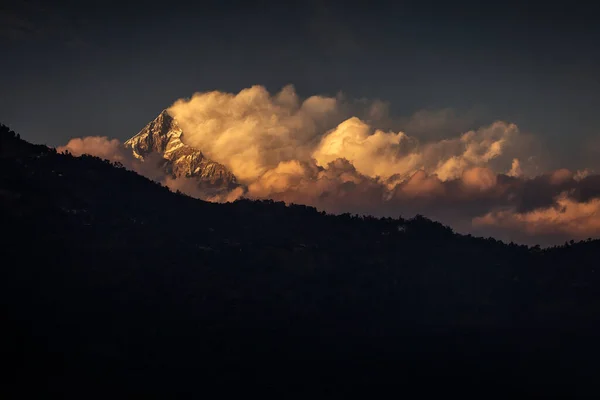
x=107 y=68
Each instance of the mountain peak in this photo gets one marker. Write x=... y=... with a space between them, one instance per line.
x=164 y=119
x=155 y=136
x=164 y=136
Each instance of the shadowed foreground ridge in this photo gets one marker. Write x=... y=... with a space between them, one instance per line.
x=110 y=281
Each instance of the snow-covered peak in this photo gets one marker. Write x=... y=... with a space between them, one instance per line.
x=164 y=136
x=156 y=136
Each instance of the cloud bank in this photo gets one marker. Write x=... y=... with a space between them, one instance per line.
x=344 y=156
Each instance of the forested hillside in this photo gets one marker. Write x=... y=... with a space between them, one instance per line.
x=112 y=281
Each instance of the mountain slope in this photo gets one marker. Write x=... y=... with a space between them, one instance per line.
x=111 y=281
x=164 y=136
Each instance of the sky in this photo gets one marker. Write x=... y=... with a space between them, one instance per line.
x=106 y=68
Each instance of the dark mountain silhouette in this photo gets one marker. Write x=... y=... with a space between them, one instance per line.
x=110 y=282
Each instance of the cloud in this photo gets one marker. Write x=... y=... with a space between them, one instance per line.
x=479 y=178
x=99 y=146
x=560 y=176
x=252 y=132
x=372 y=153
x=567 y=216
x=420 y=184
x=335 y=154
x=515 y=168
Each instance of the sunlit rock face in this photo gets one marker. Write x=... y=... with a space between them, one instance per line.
x=164 y=137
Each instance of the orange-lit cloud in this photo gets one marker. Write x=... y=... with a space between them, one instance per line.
x=567 y=216
x=252 y=132
x=103 y=147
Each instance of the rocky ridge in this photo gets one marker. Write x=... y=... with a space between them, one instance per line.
x=164 y=136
